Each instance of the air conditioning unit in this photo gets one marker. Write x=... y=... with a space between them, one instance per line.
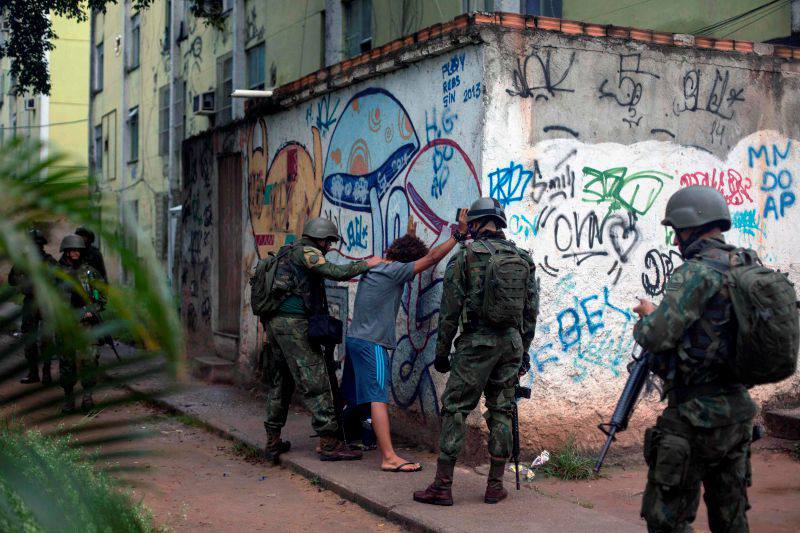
x=30 y=103
x=203 y=104
x=4 y=25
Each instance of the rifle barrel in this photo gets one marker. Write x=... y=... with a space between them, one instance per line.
x=612 y=430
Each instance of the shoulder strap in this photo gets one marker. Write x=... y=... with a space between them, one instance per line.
x=489 y=245
x=718 y=260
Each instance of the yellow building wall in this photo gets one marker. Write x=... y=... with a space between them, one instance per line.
x=68 y=100
x=69 y=96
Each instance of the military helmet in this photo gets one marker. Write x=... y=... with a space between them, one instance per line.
x=321 y=228
x=487 y=207
x=72 y=242
x=85 y=232
x=695 y=206
x=37 y=236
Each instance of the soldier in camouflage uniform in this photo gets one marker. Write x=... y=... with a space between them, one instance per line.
x=292 y=359
x=32 y=318
x=704 y=434
x=487 y=359
x=88 y=301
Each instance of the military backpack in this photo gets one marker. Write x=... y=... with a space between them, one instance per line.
x=766 y=309
x=505 y=287
x=264 y=299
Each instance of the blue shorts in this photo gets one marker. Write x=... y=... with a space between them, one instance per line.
x=365 y=377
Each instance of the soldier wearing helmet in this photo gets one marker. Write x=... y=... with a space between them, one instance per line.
x=293 y=361
x=490 y=298
x=32 y=317
x=87 y=299
x=704 y=434
x=91 y=254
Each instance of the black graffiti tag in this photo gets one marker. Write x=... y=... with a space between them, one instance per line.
x=658 y=268
x=528 y=83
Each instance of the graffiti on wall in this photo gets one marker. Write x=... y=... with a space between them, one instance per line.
x=197 y=217
x=377 y=176
x=580 y=247
x=368 y=166
x=283 y=195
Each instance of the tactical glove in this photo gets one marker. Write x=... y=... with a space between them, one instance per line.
x=442 y=364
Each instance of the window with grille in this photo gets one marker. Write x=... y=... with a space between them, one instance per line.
x=257 y=67
x=134 y=51
x=97 y=150
x=97 y=71
x=544 y=8
x=358 y=26
x=225 y=88
x=133 y=133
x=163 y=120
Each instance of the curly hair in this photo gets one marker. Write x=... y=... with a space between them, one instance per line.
x=407 y=249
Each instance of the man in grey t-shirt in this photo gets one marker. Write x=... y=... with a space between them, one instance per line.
x=372 y=331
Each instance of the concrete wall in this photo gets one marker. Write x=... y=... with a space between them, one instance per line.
x=582 y=140
x=585 y=141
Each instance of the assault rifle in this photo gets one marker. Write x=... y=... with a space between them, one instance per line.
x=519 y=392
x=106 y=340
x=639 y=371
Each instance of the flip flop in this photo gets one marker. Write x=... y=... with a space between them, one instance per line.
x=399 y=468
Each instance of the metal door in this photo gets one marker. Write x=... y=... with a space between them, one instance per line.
x=229 y=240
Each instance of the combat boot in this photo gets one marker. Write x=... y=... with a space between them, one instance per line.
x=87 y=403
x=69 y=402
x=333 y=449
x=439 y=492
x=494 y=486
x=33 y=375
x=275 y=446
x=47 y=378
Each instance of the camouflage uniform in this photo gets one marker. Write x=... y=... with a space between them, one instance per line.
x=83 y=364
x=704 y=434
x=292 y=360
x=31 y=321
x=486 y=360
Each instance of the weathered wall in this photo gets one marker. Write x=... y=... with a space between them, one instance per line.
x=585 y=141
x=582 y=140
x=369 y=157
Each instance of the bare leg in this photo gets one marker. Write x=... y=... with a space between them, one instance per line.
x=380 y=425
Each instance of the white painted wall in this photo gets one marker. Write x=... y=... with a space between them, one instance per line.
x=584 y=143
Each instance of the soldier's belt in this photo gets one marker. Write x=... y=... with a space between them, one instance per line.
x=679 y=395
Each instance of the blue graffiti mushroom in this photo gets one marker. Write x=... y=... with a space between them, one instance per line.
x=372 y=143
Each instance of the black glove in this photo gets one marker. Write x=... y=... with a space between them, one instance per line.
x=442 y=364
x=525 y=367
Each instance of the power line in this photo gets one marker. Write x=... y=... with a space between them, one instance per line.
x=725 y=22
x=618 y=9
x=772 y=11
x=44 y=125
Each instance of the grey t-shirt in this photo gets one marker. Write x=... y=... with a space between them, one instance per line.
x=378 y=301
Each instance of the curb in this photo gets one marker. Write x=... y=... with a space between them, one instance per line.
x=329 y=484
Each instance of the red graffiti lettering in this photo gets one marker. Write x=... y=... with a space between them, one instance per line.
x=729 y=183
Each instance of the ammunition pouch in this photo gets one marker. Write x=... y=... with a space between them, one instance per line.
x=651 y=436
x=670 y=460
x=325 y=330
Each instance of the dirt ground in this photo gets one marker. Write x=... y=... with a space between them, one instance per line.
x=204 y=483
x=193 y=480
x=774 y=496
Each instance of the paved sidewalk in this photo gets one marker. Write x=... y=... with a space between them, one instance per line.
x=236 y=414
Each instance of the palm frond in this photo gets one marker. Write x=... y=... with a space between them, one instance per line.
x=36 y=490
